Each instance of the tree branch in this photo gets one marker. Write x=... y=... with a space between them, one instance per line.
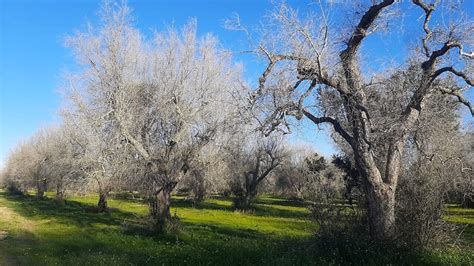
x=443 y=50
x=455 y=72
x=428 y=9
x=273 y=59
x=302 y=98
x=457 y=93
x=361 y=29
x=348 y=55
x=337 y=126
x=264 y=174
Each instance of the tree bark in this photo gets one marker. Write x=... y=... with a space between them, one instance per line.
x=467 y=202
x=60 y=193
x=40 y=189
x=249 y=192
x=380 y=193
x=159 y=207
x=102 y=204
x=246 y=200
x=40 y=193
x=381 y=211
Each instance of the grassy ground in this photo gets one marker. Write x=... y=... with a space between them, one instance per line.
x=277 y=232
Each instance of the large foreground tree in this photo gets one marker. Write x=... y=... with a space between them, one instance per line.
x=318 y=71
x=162 y=100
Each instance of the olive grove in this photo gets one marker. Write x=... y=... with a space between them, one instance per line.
x=173 y=112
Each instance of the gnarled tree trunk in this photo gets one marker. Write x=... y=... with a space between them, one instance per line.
x=102 y=204
x=381 y=210
x=246 y=199
x=159 y=207
x=249 y=191
x=379 y=191
x=60 y=192
x=41 y=186
x=467 y=202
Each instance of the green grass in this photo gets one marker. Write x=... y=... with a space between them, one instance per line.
x=457 y=214
x=276 y=232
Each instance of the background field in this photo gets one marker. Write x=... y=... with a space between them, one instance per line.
x=277 y=232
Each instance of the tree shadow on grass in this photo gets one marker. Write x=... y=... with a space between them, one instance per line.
x=71 y=212
x=258 y=208
x=83 y=215
x=280 y=201
x=198 y=244
x=208 y=230
x=262 y=210
x=184 y=203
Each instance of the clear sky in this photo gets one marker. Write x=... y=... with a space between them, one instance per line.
x=32 y=55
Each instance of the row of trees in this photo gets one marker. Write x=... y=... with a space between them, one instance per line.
x=51 y=158
x=148 y=116
x=151 y=114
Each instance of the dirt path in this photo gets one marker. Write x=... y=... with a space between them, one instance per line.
x=11 y=223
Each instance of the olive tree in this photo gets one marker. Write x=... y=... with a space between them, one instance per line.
x=466 y=185
x=292 y=177
x=315 y=71
x=305 y=174
x=16 y=172
x=164 y=98
x=64 y=168
x=106 y=160
x=253 y=158
x=28 y=165
x=208 y=173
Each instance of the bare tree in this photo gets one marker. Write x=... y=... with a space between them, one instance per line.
x=166 y=99
x=67 y=151
x=28 y=165
x=305 y=59
x=208 y=173
x=304 y=174
x=465 y=185
x=107 y=159
x=292 y=178
x=16 y=172
x=252 y=163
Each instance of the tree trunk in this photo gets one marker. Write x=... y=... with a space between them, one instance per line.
x=245 y=201
x=199 y=191
x=299 y=194
x=40 y=189
x=249 y=192
x=381 y=211
x=102 y=204
x=159 y=207
x=380 y=196
x=467 y=202
x=40 y=193
x=60 y=193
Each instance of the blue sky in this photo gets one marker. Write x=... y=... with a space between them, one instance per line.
x=32 y=55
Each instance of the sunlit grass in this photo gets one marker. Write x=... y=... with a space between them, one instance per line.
x=275 y=232
x=211 y=233
x=456 y=214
